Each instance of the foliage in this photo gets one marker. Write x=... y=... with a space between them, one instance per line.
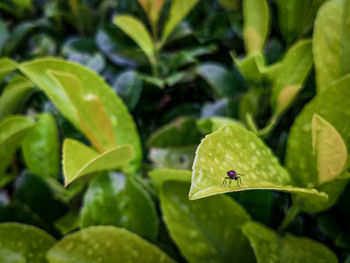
x=119 y=121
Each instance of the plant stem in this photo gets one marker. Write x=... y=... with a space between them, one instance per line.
x=291 y=214
x=154 y=60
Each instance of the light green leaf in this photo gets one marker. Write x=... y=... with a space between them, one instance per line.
x=203 y=229
x=271 y=248
x=105 y=244
x=92 y=115
x=178 y=10
x=296 y=17
x=329 y=148
x=21 y=243
x=234 y=148
x=288 y=79
x=12 y=131
x=251 y=67
x=333 y=106
x=256 y=24
x=137 y=31
x=79 y=160
x=93 y=86
x=40 y=147
x=331 y=57
x=7 y=65
x=13 y=94
x=118 y=200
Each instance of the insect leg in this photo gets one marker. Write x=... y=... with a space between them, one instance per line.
x=224 y=182
x=240 y=180
x=230 y=182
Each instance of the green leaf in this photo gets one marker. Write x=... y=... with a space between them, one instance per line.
x=203 y=229
x=12 y=131
x=92 y=115
x=105 y=244
x=118 y=200
x=173 y=157
x=331 y=57
x=329 y=148
x=209 y=125
x=178 y=10
x=93 y=87
x=23 y=243
x=128 y=86
x=218 y=77
x=160 y=176
x=136 y=30
x=173 y=145
x=80 y=160
x=234 y=148
x=40 y=147
x=152 y=8
x=332 y=105
x=230 y=4
x=271 y=248
x=13 y=94
x=180 y=132
x=7 y=65
x=251 y=67
x=288 y=79
x=256 y=24
x=296 y=17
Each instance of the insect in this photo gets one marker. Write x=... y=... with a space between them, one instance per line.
x=232 y=175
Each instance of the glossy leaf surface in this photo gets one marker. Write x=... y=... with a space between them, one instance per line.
x=79 y=159
x=116 y=199
x=21 y=243
x=331 y=105
x=106 y=244
x=94 y=91
x=331 y=61
x=203 y=229
x=40 y=147
x=235 y=148
x=271 y=248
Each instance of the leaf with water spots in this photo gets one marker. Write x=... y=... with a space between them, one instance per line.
x=118 y=200
x=235 y=148
x=41 y=147
x=95 y=92
x=107 y=244
x=269 y=247
x=333 y=106
x=21 y=243
x=329 y=148
x=80 y=160
x=206 y=230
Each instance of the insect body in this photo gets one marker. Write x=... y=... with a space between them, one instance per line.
x=232 y=175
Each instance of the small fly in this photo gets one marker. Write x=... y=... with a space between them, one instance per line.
x=232 y=175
